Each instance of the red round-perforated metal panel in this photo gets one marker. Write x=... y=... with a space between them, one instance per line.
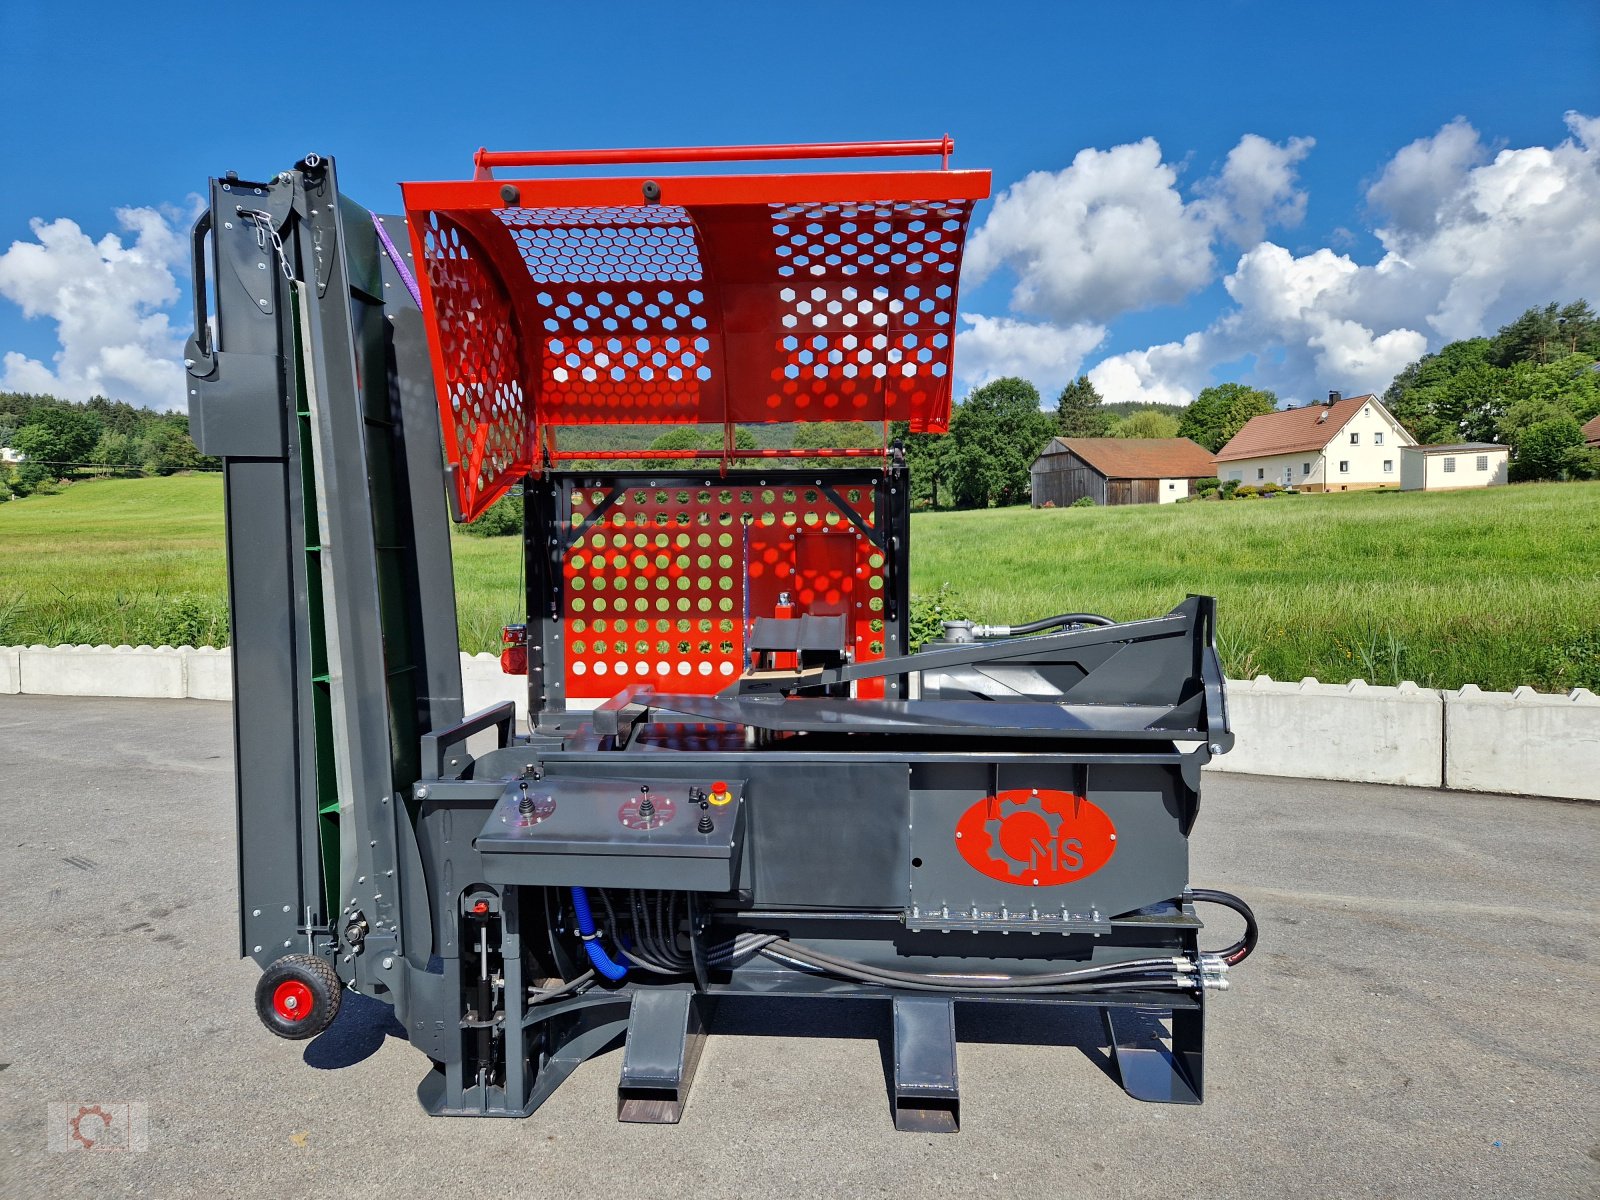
x=654 y=584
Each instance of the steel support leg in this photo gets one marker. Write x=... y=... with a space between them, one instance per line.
x=927 y=1096
x=1149 y=1070
x=666 y=1033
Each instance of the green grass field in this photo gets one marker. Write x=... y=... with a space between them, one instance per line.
x=1498 y=588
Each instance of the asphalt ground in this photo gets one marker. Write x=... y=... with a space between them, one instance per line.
x=1420 y=1020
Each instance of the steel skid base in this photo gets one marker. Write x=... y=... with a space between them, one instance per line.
x=1156 y=1052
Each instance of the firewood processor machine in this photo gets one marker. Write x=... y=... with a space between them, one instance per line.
x=735 y=779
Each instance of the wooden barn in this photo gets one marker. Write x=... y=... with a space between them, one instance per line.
x=1118 y=470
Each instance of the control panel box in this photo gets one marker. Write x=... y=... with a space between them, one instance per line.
x=671 y=834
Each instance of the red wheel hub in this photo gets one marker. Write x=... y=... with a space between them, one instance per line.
x=291 y=1000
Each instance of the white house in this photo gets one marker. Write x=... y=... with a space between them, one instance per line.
x=1341 y=446
x=1465 y=465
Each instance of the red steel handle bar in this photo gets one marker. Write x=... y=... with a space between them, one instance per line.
x=485 y=161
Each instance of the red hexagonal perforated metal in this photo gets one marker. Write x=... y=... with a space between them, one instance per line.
x=486 y=420
x=732 y=299
x=655 y=583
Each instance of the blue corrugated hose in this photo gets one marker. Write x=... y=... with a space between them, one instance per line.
x=602 y=961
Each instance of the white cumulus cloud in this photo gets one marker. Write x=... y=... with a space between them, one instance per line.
x=1050 y=356
x=1257 y=188
x=1470 y=240
x=1112 y=232
x=1171 y=373
x=1107 y=235
x=1408 y=190
x=107 y=299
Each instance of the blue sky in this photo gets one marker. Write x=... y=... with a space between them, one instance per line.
x=1216 y=191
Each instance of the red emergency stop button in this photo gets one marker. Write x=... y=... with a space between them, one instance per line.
x=720 y=794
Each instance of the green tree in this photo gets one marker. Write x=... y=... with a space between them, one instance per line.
x=837 y=435
x=1549 y=449
x=1535 y=336
x=683 y=437
x=824 y=435
x=1533 y=393
x=115 y=450
x=1078 y=411
x=1453 y=395
x=1146 y=423
x=1579 y=328
x=996 y=434
x=117 y=416
x=928 y=458
x=53 y=438
x=694 y=437
x=166 y=447
x=1220 y=412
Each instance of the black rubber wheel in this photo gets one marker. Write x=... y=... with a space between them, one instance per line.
x=298 y=996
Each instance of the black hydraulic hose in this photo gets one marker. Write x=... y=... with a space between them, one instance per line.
x=1235 y=954
x=545 y=995
x=1081 y=977
x=1010 y=985
x=1062 y=619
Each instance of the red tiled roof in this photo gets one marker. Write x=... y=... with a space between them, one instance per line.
x=1142 y=458
x=1291 y=430
x=1591 y=431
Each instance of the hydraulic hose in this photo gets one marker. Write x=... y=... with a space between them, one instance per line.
x=1146 y=973
x=1061 y=619
x=1235 y=954
x=603 y=962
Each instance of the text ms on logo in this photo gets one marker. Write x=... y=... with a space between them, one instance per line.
x=1035 y=837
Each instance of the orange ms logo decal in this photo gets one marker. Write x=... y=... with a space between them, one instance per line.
x=1033 y=837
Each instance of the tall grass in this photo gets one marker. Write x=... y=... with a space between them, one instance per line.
x=128 y=561
x=1498 y=588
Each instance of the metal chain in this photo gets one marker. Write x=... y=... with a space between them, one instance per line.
x=265 y=234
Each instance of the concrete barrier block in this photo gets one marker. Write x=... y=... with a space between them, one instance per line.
x=208 y=673
x=155 y=671
x=1348 y=731
x=483 y=684
x=10 y=670
x=1525 y=743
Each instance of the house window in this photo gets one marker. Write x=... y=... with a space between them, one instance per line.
x=1172 y=487
x=1236 y=476
x=1344 y=466
x=1305 y=468
x=1388 y=466
x=1261 y=472
x=1355 y=439
x=1483 y=462
x=1377 y=439
x=1449 y=466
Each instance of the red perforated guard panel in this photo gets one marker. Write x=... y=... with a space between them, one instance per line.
x=654 y=580
x=747 y=298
